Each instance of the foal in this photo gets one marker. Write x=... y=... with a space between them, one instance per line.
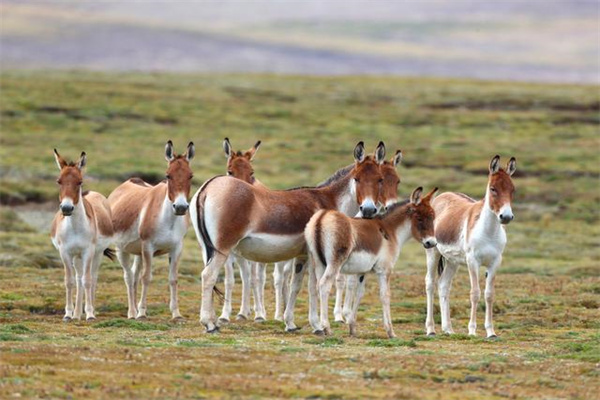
x=470 y=232
x=81 y=231
x=388 y=196
x=150 y=221
x=340 y=244
x=265 y=225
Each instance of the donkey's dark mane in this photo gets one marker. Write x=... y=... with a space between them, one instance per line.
x=338 y=175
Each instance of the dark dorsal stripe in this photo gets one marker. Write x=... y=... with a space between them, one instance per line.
x=468 y=198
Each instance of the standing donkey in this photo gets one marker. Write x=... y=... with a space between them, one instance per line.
x=264 y=225
x=340 y=244
x=239 y=165
x=470 y=232
x=81 y=231
x=150 y=221
x=389 y=196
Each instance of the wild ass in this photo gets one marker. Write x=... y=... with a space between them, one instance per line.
x=81 y=232
x=239 y=165
x=150 y=221
x=470 y=232
x=340 y=244
x=389 y=196
x=265 y=225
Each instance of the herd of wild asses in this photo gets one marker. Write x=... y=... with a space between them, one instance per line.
x=348 y=226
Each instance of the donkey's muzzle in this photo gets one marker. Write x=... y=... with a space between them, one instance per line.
x=67 y=210
x=180 y=209
x=429 y=243
x=368 y=212
x=505 y=219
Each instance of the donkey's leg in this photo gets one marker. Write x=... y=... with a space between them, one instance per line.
x=259 y=277
x=229 y=282
x=384 y=295
x=473 y=266
x=313 y=296
x=95 y=270
x=79 y=268
x=146 y=278
x=433 y=259
x=296 y=285
x=489 y=296
x=245 y=275
x=174 y=257
x=278 y=281
x=325 y=284
x=129 y=278
x=288 y=269
x=444 y=287
x=350 y=291
x=340 y=283
x=69 y=284
x=355 y=297
x=88 y=280
x=210 y=274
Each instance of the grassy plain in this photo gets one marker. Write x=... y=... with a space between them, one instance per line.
x=548 y=289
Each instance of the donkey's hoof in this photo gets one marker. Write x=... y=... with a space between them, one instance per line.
x=141 y=317
x=259 y=319
x=431 y=334
x=216 y=329
x=223 y=320
x=319 y=332
x=67 y=319
x=494 y=336
x=340 y=321
x=241 y=317
x=294 y=329
x=90 y=319
x=178 y=318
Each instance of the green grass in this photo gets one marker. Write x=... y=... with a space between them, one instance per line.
x=547 y=290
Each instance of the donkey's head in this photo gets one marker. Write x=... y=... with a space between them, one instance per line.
x=367 y=178
x=422 y=217
x=388 y=194
x=239 y=164
x=500 y=189
x=179 y=177
x=70 y=180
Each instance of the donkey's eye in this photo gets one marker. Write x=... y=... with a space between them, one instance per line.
x=356 y=180
x=229 y=173
x=168 y=176
x=59 y=181
x=79 y=183
x=380 y=181
x=493 y=189
x=191 y=176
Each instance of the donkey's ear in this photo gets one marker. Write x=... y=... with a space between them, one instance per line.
x=227 y=147
x=359 y=152
x=253 y=150
x=190 y=152
x=429 y=195
x=59 y=160
x=511 y=167
x=495 y=164
x=415 y=197
x=380 y=153
x=82 y=161
x=397 y=159
x=169 y=154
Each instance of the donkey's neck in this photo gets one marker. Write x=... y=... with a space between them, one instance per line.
x=398 y=221
x=345 y=196
x=79 y=220
x=488 y=223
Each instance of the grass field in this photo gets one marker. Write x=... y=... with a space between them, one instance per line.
x=548 y=288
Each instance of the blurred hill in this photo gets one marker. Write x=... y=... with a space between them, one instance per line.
x=554 y=41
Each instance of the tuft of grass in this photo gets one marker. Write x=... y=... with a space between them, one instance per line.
x=132 y=324
x=394 y=342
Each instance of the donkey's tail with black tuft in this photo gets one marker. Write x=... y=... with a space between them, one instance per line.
x=440 y=268
x=199 y=222
x=110 y=253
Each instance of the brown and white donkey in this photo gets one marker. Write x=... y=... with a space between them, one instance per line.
x=150 y=221
x=470 y=232
x=81 y=232
x=353 y=246
x=265 y=225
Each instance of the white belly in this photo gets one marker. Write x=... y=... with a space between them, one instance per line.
x=359 y=262
x=454 y=253
x=270 y=248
